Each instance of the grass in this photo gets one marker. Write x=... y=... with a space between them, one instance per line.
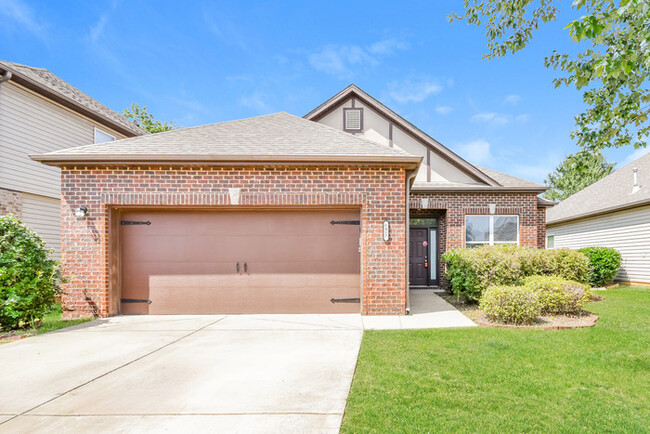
x=593 y=379
x=53 y=320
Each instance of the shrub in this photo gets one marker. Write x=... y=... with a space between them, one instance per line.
x=471 y=271
x=29 y=279
x=510 y=304
x=605 y=263
x=558 y=295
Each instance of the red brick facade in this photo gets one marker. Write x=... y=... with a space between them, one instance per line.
x=379 y=192
x=11 y=202
x=451 y=208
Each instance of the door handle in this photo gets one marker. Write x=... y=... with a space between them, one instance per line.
x=237 y=267
x=245 y=267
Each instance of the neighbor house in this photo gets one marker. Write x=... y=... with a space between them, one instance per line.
x=343 y=210
x=613 y=212
x=39 y=112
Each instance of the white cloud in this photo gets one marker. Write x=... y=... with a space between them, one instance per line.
x=522 y=117
x=23 y=16
x=638 y=153
x=477 y=151
x=388 y=46
x=512 y=99
x=413 y=90
x=97 y=30
x=443 y=109
x=492 y=118
x=341 y=60
x=254 y=101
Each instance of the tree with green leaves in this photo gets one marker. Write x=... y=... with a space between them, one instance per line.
x=612 y=71
x=576 y=172
x=141 y=117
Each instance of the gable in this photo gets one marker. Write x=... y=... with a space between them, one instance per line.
x=436 y=167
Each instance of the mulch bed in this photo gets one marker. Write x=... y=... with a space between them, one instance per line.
x=553 y=322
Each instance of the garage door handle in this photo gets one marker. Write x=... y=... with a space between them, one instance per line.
x=245 y=267
x=237 y=267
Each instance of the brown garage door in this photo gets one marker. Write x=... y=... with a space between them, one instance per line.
x=206 y=262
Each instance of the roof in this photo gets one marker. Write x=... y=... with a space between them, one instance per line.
x=612 y=193
x=545 y=203
x=278 y=137
x=353 y=90
x=43 y=82
x=488 y=180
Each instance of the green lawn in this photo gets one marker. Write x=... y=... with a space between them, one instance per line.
x=503 y=380
x=51 y=321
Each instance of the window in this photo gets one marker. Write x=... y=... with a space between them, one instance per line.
x=353 y=119
x=424 y=222
x=102 y=136
x=550 y=241
x=491 y=229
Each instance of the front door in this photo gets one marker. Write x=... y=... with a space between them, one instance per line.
x=418 y=256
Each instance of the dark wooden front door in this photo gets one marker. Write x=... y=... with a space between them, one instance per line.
x=418 y=256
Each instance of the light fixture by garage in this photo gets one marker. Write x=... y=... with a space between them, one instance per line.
x=81 y=212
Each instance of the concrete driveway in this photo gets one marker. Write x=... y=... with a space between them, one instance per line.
x=260 y=373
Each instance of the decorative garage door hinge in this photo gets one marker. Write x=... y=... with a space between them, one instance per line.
x=135 y=300
x=132 y=222
x=345 y=300
x=345 y=222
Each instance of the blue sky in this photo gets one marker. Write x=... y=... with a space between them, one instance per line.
x=202 y=62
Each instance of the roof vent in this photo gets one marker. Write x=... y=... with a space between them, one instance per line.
x=636 y=187
x=353 y=120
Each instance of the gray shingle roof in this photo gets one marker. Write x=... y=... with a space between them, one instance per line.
x=44 y=79
x=609 y=194
x=276 y=137
x=509 y=180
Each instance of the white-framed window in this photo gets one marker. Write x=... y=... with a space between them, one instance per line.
x=103 y=136
x=489 y=230
x=550 y=241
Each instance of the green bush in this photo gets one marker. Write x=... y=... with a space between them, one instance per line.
x=558 y=295
x=605 y=263
x=29 y=279
x=470 y=271
x=510 y=304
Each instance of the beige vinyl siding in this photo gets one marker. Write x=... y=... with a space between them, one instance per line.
x=43 y=215
x=626 y=231
x=30 y=124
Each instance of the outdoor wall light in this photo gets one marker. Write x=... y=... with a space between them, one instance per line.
x=81 y=212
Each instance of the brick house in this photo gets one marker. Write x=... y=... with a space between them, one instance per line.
x=343 y=210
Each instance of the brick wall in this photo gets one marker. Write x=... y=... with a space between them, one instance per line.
x=532 y=220
x=11 y=203
x=378 y=191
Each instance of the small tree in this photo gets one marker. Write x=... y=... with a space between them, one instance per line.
x=576 y=172
x=29 y=278
x=141 y=117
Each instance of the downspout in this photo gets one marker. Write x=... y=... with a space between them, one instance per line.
x=409 y=176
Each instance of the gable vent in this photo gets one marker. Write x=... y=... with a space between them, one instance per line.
x=353 y=119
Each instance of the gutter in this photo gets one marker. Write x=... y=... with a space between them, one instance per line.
x=410 y=175
x=6 y=76
x=593 y=214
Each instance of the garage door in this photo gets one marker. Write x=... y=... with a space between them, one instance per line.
x=227 y=262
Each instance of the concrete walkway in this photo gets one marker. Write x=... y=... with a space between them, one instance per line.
x=428 y=311
x=246 y=373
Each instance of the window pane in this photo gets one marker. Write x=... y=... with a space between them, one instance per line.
x=550 y=241
x=101 y=137
x=477 y=228
x=472 y=245
x=424 y=222
x=433 y=257
x=505 y=229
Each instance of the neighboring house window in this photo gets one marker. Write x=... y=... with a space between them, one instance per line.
x=550 y=241
x=491 y=229
x=353 y=120
x=102 y=136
